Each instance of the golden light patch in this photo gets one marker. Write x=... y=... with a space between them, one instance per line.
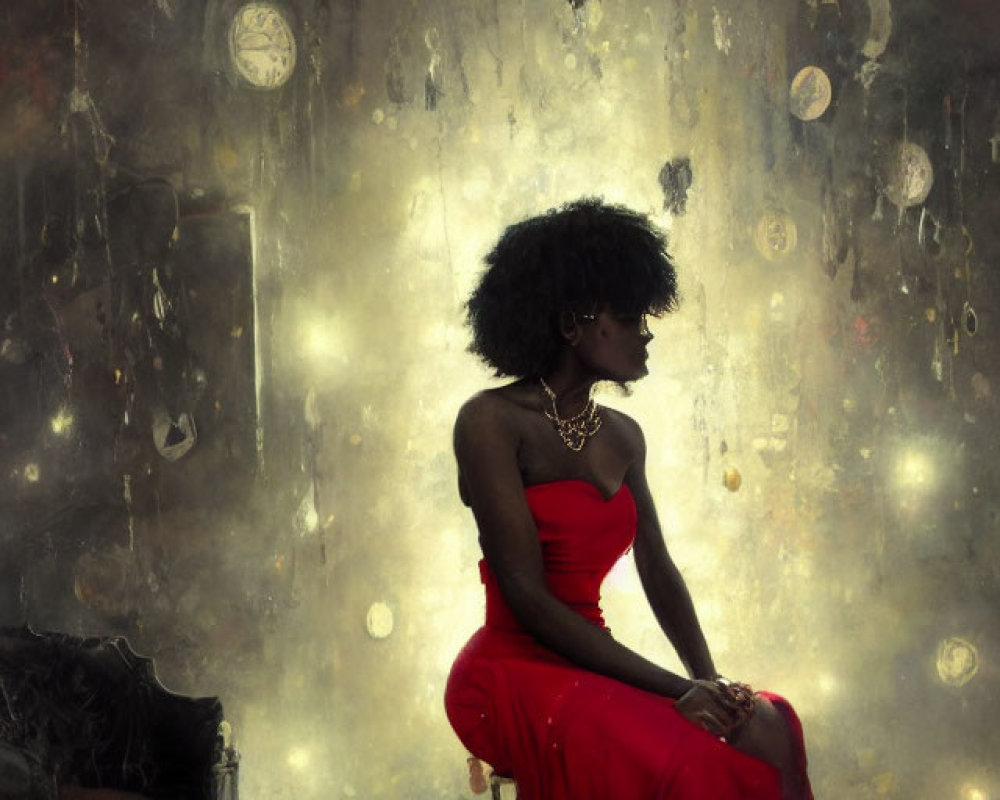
x=379 y=620
x=732 y=479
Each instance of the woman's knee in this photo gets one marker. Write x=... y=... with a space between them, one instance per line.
x=765 y=735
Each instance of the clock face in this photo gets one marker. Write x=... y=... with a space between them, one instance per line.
x=810 y=94
x=262 y=45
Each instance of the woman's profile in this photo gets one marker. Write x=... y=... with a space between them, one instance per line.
x=557 y=485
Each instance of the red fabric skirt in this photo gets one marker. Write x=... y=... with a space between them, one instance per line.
x=564 y=733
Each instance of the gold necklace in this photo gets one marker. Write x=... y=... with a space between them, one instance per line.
x=576 y=430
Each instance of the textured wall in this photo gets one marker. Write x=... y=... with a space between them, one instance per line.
x=286 y=267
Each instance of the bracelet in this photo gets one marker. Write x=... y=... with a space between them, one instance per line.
x=741 y=694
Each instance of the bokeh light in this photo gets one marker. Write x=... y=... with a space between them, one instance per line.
x=971 y=791
x=299 y=758
x=62 y=422
x=915 y=470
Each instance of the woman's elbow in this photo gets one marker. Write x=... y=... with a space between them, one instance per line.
x=528 y=600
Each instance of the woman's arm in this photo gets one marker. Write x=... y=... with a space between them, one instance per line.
x=486 y=448
x=661 y=580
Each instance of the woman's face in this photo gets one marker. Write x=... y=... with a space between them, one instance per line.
x=612 y=344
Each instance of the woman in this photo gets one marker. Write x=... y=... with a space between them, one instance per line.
x=542 y=692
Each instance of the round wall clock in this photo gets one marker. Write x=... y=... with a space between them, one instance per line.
x=262 y=45
x=810 y=93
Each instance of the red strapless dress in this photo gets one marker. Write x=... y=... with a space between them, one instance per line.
x=565 y=733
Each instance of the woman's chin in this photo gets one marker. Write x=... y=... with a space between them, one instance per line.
x=626 y=380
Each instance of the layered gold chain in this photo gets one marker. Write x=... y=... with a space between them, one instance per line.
x=576 y=430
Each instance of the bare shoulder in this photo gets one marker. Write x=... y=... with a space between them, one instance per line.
x=634 y=443
x=489 y=407
x=627 y=428
x=485 y=441
x=490 y=414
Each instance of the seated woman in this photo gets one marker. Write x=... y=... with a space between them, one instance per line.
x=542 y=692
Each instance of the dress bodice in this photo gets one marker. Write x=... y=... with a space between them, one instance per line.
x=582 y=535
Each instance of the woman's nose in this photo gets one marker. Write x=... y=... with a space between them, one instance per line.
x=644 y=330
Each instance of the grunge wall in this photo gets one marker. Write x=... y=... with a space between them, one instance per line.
x=232 y=349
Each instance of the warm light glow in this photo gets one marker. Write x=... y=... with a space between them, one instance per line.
x=914 y=470
x=306 y=517
x=379 y=620
x=323 y=343
x=827 y=538
x=320 y=341
x=298 y=758
x=311 y=519
x=972 y=792
x=828 y=684
x=62 y=422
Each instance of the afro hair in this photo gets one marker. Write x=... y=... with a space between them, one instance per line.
x=579 y=258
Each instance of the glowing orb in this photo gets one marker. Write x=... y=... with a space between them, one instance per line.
x=810 y=94
x=32 y=473
x=62 y=422
x=971 y=792
x=323 y=340
x=306 y=516
x=379 y=621
x=957 y=661
x=827 y=683
x=298 y=758
x=914 y=469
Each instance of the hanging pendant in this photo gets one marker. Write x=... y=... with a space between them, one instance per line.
x=576 y=430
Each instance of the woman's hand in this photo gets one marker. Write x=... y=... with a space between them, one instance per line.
x=709 y=706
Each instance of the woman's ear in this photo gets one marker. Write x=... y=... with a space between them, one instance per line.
x=570 y=328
